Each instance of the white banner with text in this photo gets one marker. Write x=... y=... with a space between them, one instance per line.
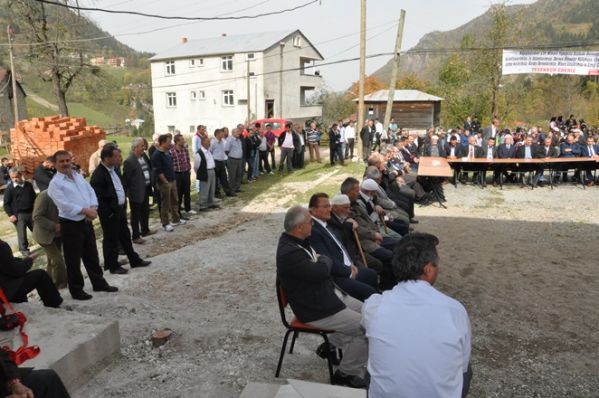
x=551 y=62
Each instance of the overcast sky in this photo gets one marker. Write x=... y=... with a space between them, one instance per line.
x=329 y=20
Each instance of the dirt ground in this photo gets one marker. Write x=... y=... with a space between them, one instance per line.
x=523 y=262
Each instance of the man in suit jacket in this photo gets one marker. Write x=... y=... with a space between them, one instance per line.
x=46 y=232
x=545 y=151
x=359 y=282
x=489 y=151
x=507 y=150
x=137 y=182
x=107 y=184
x=16 y=282
x=491 y=131
x=305 y=278
x=470 y=151
x=590 y=150
x=367 y=134
x=452 y=148
x=18 y=205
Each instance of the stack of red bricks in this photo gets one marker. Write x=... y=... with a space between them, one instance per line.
x=32 y=141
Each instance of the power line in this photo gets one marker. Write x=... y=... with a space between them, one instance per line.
x=181 y=18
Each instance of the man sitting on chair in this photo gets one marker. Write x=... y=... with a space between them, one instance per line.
x=305 y=278
x=355 y=279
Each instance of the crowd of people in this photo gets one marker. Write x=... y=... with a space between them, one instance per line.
x=351 y=263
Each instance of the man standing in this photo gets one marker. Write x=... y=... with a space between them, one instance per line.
x=271 y=140
x=217 y=148
x=305 y=278
x=492 y=131
x=107 y=184
x=298 y=154
x=287 y=142
x=77 y=203
x=234 y=152
x=313 y=137
x=46 y=232
x=44 y=173
x=350 y=138
x=18 y=205
x=366 y=135
x=162 y=163
x=263 y=152
x=204 y=167
x=196 y=143
x=418 y=338
x=138 y=187
x=182 y=167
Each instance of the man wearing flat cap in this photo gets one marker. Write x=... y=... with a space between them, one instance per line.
x=418 y=338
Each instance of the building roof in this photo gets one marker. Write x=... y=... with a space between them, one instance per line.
x=400 y=96
x=252 y=42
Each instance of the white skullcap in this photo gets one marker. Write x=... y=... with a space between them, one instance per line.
x=340 y=199
x=369 y=185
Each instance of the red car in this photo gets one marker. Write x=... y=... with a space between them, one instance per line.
x=278 y=125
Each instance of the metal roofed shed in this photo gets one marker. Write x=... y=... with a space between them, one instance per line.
x=412 y=109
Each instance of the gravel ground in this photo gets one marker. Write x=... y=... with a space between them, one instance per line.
x=523 y=262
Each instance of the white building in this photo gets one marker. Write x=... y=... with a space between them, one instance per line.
x=206 y=81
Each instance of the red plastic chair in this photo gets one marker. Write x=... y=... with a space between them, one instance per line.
x=296 y=326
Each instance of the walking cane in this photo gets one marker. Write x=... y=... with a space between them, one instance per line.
x=360 y=248
x=383 y=221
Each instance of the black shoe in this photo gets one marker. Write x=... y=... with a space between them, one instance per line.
x=107 y=288
x=230 y=194
x=119 y=271
x=414 y=221
x=238 y=191
x=343 y=379
x=142 y=263
x=320 y=351
x=81 y=295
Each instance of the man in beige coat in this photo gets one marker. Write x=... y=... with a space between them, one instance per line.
x=46 y=232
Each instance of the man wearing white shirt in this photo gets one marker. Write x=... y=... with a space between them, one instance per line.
x=350 y=139
x=418 y=338
x=77 y=208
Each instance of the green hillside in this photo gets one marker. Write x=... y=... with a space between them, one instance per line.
x=105 y=95
x=542 y=23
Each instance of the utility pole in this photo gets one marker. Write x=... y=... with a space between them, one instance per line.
x=394 y=71
x=362 y=72
x=248 y=91
x=13 y=76
x=282 y=45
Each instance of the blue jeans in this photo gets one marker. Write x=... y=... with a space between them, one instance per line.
x=255 y=164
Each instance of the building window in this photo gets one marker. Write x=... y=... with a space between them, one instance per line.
x=192 y=129
x=251 y=56
x=200 y=62
x=297 y=41
x=193 y=95
x=201 y=94
x=228 y=99
x=170 y=68
x=192 y=63
x=171 y=100
x=226 y=63
x=171 y=129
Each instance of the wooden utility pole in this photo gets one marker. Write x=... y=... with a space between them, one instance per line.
x=394 y=71
x=13 y=77
x=281 y=45
x=360 y=123
x=248 y=92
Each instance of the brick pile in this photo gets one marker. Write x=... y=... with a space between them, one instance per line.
x=32 y=141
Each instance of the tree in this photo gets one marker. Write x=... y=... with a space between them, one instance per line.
x=335 y=106
x=371 y=84
x=412 y=82
x=47 y=30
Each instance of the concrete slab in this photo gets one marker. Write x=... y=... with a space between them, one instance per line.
x=300 y=389
x=71 y=343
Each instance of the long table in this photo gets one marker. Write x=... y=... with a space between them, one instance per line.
x=522 y=165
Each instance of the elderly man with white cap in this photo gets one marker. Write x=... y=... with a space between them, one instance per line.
x=368 y=200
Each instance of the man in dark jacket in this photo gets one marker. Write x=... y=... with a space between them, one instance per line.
x=18 y=205
x=106 y=182
x=137 y=181
x=288 y=143
x=16 y=282
x=367 y=135
x=305 y=278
